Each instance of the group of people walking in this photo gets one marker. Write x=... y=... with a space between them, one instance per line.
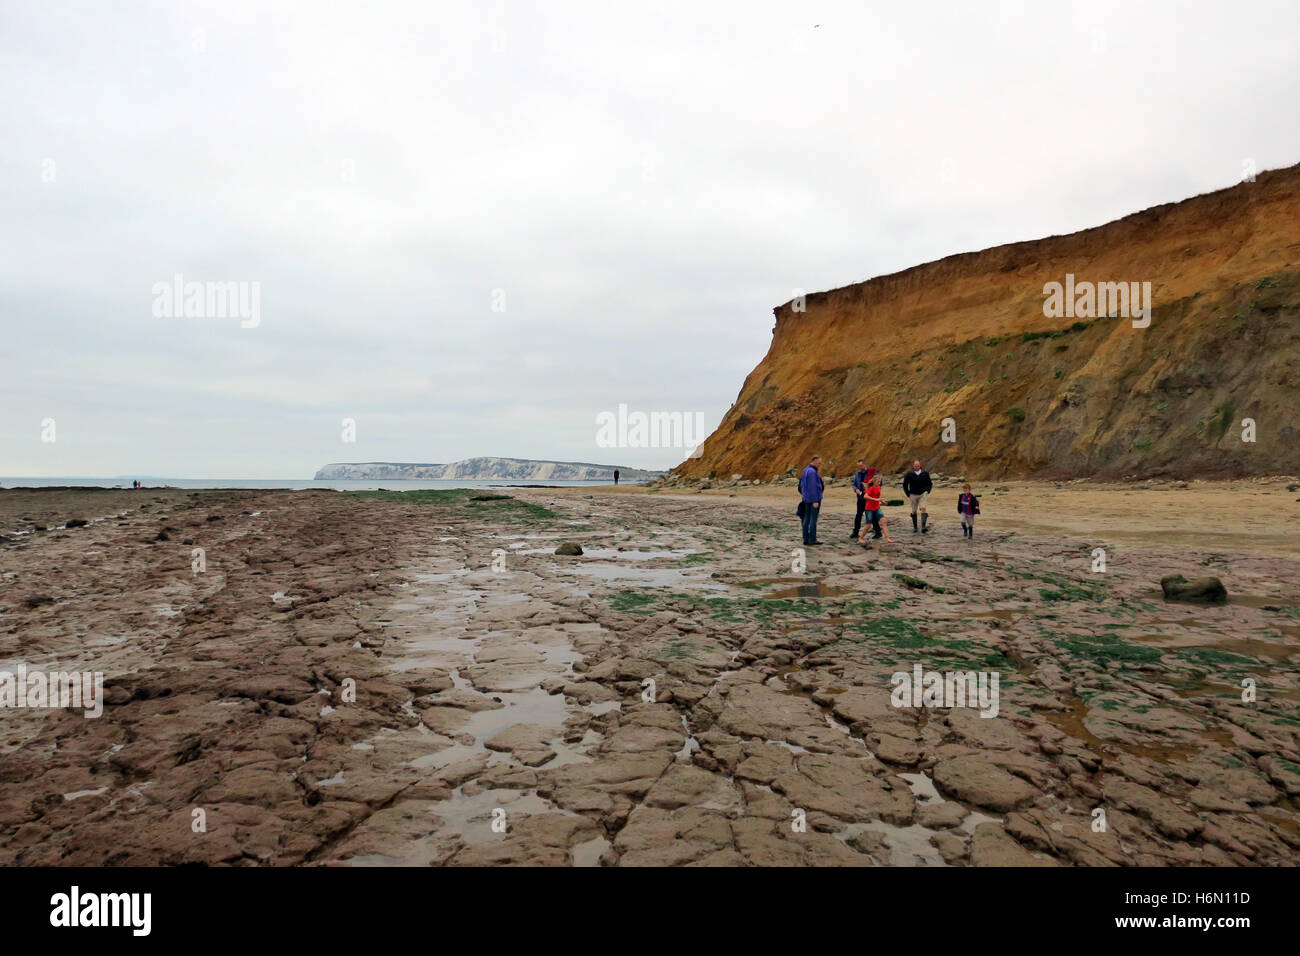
x=867 y=490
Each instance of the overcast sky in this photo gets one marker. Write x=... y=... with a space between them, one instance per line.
x=643 y=183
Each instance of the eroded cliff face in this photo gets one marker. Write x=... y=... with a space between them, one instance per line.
x=872 y=370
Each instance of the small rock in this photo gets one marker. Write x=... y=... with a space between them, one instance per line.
x=569 y=548
x=941 y=816
x=950 y=847
x=992 y=846
x=1199 y=590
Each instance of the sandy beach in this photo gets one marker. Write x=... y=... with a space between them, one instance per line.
x=388 y=679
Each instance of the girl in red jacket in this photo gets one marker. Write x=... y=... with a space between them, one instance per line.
x=871 y=510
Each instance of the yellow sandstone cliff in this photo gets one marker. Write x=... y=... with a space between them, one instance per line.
x=872 y=370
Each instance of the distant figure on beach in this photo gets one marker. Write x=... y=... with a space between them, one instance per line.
x=615 y=476
x=875 y=515
x=917 y=487
x=859 y=477
x=968 y=506
x=810 y=494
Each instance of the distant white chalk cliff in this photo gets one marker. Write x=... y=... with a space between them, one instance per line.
x=519 y=469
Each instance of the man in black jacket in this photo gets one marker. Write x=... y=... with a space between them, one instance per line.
x=859 y=490
x=917 y=487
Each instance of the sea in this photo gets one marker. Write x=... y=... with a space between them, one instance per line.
x=335 y=484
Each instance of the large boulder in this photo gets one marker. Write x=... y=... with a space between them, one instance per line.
x=1197 y=591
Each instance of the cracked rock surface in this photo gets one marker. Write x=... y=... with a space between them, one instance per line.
x=420 y=680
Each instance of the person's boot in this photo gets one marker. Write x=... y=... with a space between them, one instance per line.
x=913 y=524
x=924 y=529
x=875 y=527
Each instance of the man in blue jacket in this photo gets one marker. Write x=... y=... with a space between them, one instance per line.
x=810 y=489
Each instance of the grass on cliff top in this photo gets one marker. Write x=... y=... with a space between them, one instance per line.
x=461 y=498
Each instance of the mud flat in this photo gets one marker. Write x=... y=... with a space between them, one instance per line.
x=385 y=679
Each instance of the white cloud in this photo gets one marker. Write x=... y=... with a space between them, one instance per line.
x=645 y=183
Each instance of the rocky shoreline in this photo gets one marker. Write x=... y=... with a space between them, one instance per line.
x=418 y=679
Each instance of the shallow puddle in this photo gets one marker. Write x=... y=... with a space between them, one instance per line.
x=472 y=818
x=922 y=788
x=635 y=555
x=1256 y=601
x=1242 y=647
x=589 y=853
x=1071 y=722
x=652 y=577
x=1261 y=601
x=533 y=706
x=908 y=846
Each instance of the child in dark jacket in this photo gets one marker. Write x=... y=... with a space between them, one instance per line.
x=968 y=506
